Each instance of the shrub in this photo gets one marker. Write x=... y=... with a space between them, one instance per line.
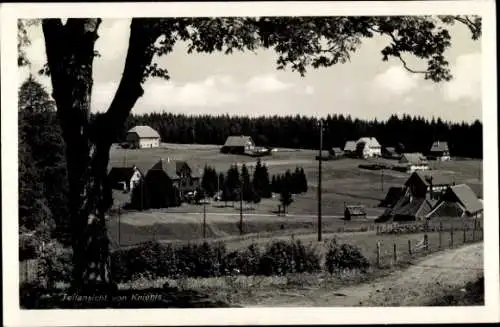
x=345 y=256
x=245 y=262
x=54 y=264
x=283 y=257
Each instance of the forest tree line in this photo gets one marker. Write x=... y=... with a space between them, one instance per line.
x=416 y=133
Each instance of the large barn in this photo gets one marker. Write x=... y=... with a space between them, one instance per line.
x=141 y=137
x=238 y=144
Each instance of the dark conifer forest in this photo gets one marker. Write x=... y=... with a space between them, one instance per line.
x=415 y=133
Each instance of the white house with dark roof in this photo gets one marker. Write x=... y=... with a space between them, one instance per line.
x=368 y=147
x=141 y=137
x=440 y=151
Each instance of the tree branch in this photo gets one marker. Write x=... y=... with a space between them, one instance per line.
x=405 y=66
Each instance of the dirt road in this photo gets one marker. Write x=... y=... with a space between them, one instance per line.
x=414 y=286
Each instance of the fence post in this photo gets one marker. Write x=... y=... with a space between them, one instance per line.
x=440 y=235
x=395 y=254
x=409 y=247
x=426 y=242
x=465 y=231
x=451 y=236
x=378 y=254
x=474 y=231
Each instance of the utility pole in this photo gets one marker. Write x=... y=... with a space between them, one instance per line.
x=119 y=225
x=382 y=179
x=241 y=205
x=319 y=176
x=204 y=221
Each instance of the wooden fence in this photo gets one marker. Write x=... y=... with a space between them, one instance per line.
x=391 y=253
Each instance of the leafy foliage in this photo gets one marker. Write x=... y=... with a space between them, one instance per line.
x=340 y=257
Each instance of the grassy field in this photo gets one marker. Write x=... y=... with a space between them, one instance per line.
x=343 y=183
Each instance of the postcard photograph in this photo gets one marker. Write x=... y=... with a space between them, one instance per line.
x=251 y=159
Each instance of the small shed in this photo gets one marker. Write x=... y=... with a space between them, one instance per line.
x=354 y=211
x=336 y=152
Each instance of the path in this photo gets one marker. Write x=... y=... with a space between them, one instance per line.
x=414 y=286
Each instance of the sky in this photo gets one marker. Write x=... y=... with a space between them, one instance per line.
x=249 y=84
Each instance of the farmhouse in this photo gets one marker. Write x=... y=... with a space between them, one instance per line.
x=440 y=151
x=368 y=147
x=350 y=148
x=458 y=201
x=420 y=195
x=238 y=144
x=432 y=184
x=184 y=178
x=124 y=178
x=390 y=153
x=414 y=162
x=354 y=211
x=141 y=137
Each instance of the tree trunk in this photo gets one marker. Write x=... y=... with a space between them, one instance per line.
x=70 y=54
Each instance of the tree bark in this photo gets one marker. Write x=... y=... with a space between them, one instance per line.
x=70 y=55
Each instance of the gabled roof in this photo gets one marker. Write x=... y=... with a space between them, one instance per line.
x=173 y=168
x=414 y=207
x=392 y=197
x=435 y=177
x=144 y=132
x=350 y=146
x=369 y=142
x=238 y=140
x=466 y=197
x=413 y=158
x=477 y=188
x=439 y=146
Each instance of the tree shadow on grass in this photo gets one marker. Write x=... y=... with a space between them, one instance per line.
x=34 y=297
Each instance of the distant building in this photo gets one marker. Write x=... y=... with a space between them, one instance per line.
x=431 y=184
x=124 y=178
x=414 y=162
x=141 y=137
x=419 y=197
x=457 y=202
x=354 y=211
x=368 y=147
x=390 y=153
x=238 y=145
x=184 y=177
x=336 y=152
x=350 y=148
x=440 y=151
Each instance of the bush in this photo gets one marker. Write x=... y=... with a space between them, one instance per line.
x=283 y=258
x=244 y=262
x=345 y=256
x=54 y=264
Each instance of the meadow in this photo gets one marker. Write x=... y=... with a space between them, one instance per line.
x=343 y=183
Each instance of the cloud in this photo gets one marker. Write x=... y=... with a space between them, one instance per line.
x=395 y=80
x=466 y=83
x=267 y=83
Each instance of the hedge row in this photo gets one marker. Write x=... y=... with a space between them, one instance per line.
x=156 y=260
